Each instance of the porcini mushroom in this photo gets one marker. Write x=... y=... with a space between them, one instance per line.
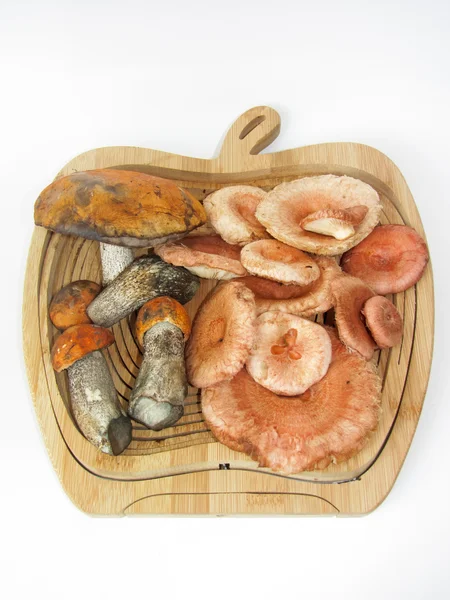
x=69 y=306
x=303 y=301
x=93 y=397
x=349 y=296
x=222 y=335
x=208 y=257
x=330 y=422
x=157 y=399
x=285 y=208
x=383 y=321
x=277 y=261
x=390 y=260
x=146 y=278
x=289 y=354
x=231 y=211
x=123 y=208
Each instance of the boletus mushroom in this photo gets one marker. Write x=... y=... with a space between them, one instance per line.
x=146 y=278
x=93 y=397
x=69 y=306
x=157 y=399
x=118 y=207
x=231 y=211
x=208 y=257
x=383 y=321
x=222 y=335
x=390 y=260
x=330 y=422
x=274 y=260
x=289 y=354
x=290 y=208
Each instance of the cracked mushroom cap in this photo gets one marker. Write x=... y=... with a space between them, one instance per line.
x=349 y=296
x=303 y=301
x=391 y=259
x=125 y=208
x=277 y=261
x=330 y=422
x=78 y=341
x=222 y=335
x=287 y=206
x=68 y=306
x=231 y=212
x=208 y=257
x=159 y=310
x=289 y=354
x=383 y=321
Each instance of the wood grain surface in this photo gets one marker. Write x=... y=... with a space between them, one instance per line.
x=183 y=470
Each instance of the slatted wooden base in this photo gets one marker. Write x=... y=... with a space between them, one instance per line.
x=183 y=470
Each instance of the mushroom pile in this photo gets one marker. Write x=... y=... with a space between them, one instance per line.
x=275 y=384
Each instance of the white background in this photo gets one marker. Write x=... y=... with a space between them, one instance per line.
x=173 y=76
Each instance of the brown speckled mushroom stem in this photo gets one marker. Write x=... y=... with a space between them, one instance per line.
x=157 y=399
x=114 y=259
x=146 y=278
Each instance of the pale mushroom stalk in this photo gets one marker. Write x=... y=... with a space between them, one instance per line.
x=114 y=259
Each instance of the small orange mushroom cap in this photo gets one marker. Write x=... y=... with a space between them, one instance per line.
x=68 y=306
x=383 y=321
x=159 y=310
x=78 y=341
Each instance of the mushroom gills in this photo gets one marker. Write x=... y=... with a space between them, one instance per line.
x=157 y=399
x=95 y=405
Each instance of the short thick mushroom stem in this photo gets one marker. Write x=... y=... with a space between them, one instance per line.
x=95 y=405
x=157 y=399
x=115 y=259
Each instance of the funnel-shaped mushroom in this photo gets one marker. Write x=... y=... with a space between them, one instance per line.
x=93 y=397
x=273 y=260
x=390 y=260
x=222 y=335
x=303 y=301
x=231 y=212
x=208 y=257
x=68 y=306
x=285 y=208
x=329 y=423
x=383 y=321
x=349 y=296
x=289 y=354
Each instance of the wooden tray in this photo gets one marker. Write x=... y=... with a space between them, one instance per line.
x=183 y=470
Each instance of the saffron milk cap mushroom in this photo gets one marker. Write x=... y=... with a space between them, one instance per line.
x=383 y=321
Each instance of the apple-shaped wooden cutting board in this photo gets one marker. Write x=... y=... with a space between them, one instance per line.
x=183 y=470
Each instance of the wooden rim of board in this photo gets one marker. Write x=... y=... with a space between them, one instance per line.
x=185 y=471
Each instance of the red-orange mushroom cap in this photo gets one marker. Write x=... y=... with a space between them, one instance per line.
x=68 y=306
x=289 y=354
x=383 y=321
x=349 y=296
x=277 y=261
x=78 y=341
x=222 y=335
x=288 y=204
x=391 y=259
x=208 y=257
x=330 y=422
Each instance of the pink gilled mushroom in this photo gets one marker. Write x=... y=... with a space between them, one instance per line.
x=391 y=259
x=289 y=354
x=231 y=211
x=277 y=261
x=304 y=301
x=208 y=257
x=291 y=213
x=330 y=422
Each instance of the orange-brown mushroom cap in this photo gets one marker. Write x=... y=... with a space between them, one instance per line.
x=68 y=306
x=288 y=204
x=349 y=296
x=391 y=259
x=383 y=321
x=208 y=257
x=158 y=310
x=78 y=341
x=222 y=335
x=329 y=422
x=277 y=261
x=289 y=354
